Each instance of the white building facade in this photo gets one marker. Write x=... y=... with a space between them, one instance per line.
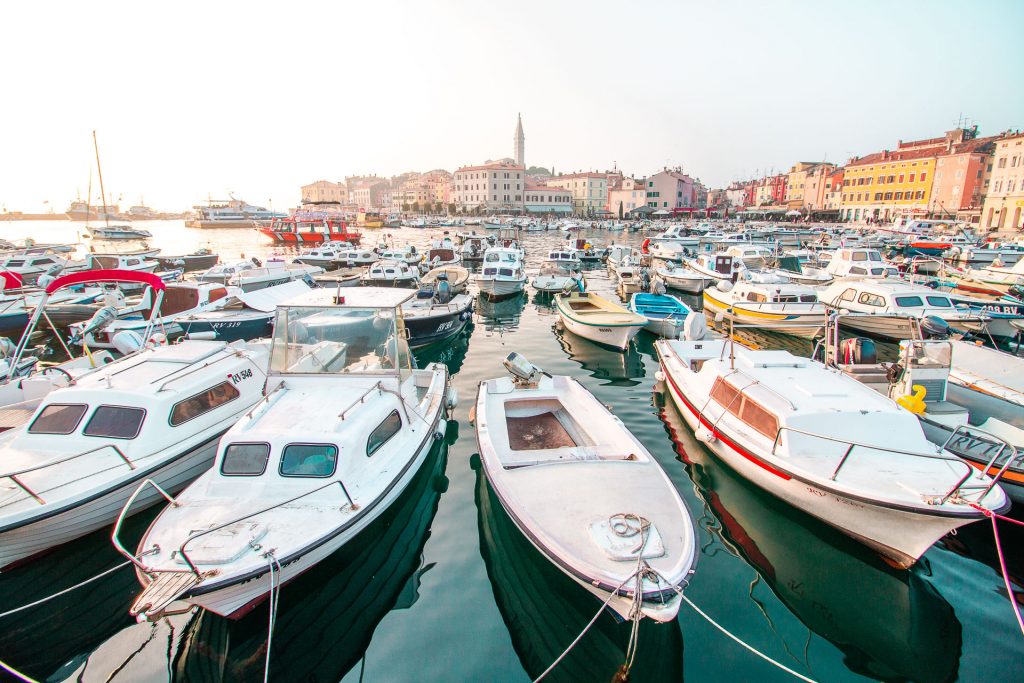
x=498 y=187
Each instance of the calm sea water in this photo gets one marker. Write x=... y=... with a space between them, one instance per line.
x=444 y=588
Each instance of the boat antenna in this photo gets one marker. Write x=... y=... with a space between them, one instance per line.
x=99 y=170
x=732 y=344
x=88 y=200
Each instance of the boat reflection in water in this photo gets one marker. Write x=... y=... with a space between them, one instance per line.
x=39 y=641
x=452 y=352
x=890 y=624
x=327 y=616
x=622 y=368
x=544 y=610
x=502 y=315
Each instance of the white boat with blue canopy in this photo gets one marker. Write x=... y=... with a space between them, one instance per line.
x=345 y=424
x=666 y=315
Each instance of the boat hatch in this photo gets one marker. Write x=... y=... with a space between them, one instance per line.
x=583 y=305
x=620 y=537
x=541 y=425
x=773 y=359
x=224 y=545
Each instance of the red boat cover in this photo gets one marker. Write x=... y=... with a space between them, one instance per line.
x=11 y=280
x=115 y=275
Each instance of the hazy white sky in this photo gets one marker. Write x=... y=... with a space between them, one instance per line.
x=194 y=98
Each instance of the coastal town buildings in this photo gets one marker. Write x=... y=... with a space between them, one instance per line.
x=497 y=187
x=805 y=185
x=589 y=190
x=961 y=176
x=547 y=199
x=770 y=191
x=625 y=194
x=323 y=191
x=1003 y=207
x=671 y=189
x=833 y=194
x=368 y=192
x=519 y=142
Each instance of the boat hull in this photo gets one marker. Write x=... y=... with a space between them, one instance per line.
x=426 y=330
x=500 y=289
x=901 y=535
x=33 y=538
x=806 y=325
x=308 y=237
x=617 y=337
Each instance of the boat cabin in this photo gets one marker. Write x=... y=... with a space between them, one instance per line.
x=860 y=263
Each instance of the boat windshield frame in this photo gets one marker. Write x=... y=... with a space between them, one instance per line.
x=333 y=340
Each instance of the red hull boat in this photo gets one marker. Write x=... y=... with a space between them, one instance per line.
x=301 y=230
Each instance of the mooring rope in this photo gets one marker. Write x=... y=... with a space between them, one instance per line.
x=1002 y=560
x=65 y=591
x=275 y=597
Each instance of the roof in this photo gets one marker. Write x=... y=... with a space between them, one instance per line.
x=585 y=174
x=354 y=297
x=545 y=188
x=492 y=167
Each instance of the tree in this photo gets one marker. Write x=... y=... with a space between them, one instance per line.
x=416 y=207
x=405 y=208
x=620 y=209
x=451 y=208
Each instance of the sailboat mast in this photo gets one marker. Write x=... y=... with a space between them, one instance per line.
x=99 y=170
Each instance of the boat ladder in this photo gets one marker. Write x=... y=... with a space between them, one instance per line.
x=165 y=588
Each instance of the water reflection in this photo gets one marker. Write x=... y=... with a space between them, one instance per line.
x=502 y=315
x=621 y=368
x=544 y=610
x=889 y=623
x=452 y=351
x=39 y=640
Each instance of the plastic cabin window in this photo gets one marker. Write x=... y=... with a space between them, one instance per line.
x=869 y=299
x=309 y=460
x=328 y=340
x=116 y=422
x=745 y=408
x=939 y=301
x=909 y=301
x=204 y=402
x=245 y=459
x=58 y=418
x=383 y=432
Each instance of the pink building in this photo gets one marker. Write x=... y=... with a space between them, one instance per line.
x=960 y=176
x=671 y=189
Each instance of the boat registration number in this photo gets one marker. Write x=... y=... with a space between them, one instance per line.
x=240 y=376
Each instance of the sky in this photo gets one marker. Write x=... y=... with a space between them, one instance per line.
x=197 y=99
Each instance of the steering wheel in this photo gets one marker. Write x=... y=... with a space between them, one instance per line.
x=59 y=369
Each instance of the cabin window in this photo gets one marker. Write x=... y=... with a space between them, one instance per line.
x=808 y=298
x=758 y=417
x=309 y=460
x=726 y=395
x=909 y=301
x=787 y=299
x=194 y=406
x=939 y=301
x=874 y=256
x=58 y=418
x=245 y=459
x=860 y=256
x=490 y=271
x=848 y=295
x=383 y=432
x=869 y=299
x=507 y=272
x=116 y=422
x=756 y=296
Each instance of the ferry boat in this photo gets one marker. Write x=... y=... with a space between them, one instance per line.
x=80 y=210
x=305 y=228
x=229 y=213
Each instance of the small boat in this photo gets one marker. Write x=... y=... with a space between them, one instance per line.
x=860 y=263
x=769 y=304
x=620 y=530
x=353 y=258
x=323 y=255
x=118 y=232
x=598 y=319
x=503 y=273
x=154 y=415
x=138 y=263
x=682 y=278
x=792 y=268
x=565 y=258
x=676 y=234
x=222 y=273
x=201 y=259
x=30 y=267
x=342 y=277
x=304 y=228
x=619 y=256
x=442 y=253
x=716 y=267
x=389 y=273
x=554 y=278
x=438 y=316
x=826 y=444
x=667 y=316
x=344 y=428
x=457 y=277
x=408 y=255
x=273 y=272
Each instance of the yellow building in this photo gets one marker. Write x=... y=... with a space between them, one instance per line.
x=892 y=184
x=1004 y=200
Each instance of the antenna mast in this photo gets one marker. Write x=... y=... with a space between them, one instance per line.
x=103 y=194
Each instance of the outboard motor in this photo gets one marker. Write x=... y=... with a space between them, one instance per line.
x=933 y=327
x=443 y=291
x=127 y=342
x=858 y=351
x=99 y=320
x=1016 y=291
x=695 y=327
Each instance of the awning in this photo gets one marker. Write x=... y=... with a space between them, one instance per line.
x=662 y=212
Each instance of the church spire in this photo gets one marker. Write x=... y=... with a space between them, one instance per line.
x=520 y=141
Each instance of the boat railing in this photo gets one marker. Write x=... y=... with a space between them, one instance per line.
x=13 y=476
x=182 y=552
x=1012 y=457
x=853 y=445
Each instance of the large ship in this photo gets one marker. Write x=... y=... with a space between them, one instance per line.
x=230 y=213
x=310 y=227
x=80 y=210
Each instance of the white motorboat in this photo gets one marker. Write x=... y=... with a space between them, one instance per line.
x=621 y=256
x=344 y=428
x=503 y=274
x=323 y=255
x=754 y=256
x=154 y=415
x=676 y=234
x=389 y=273
x=438 y=316
x=30 y=267
x=353 y=258
x=407 y=255
x=717 y=267
x=595 y=318
x=273 y=272
x=620 y=529
x=456 y=276
x=862 y=263
x=826 y=444
x=554 y=278
x=564 y=257
x=683 y=278
x=779 y=306
x=894 y=300
x=796 y=270
x=668 y=251
x=667 y=316
x=223 y=272
x=442 y=253
x=473 y=245
x=136 y=262
x=118 y=232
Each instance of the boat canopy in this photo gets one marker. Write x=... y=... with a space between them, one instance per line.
x=115 y=275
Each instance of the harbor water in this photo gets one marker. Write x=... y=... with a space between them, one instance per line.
x=444 y=588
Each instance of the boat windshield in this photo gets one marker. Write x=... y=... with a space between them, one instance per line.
x=330 y=340
x=928 y=354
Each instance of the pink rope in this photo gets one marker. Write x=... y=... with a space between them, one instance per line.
x=1002 y=561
